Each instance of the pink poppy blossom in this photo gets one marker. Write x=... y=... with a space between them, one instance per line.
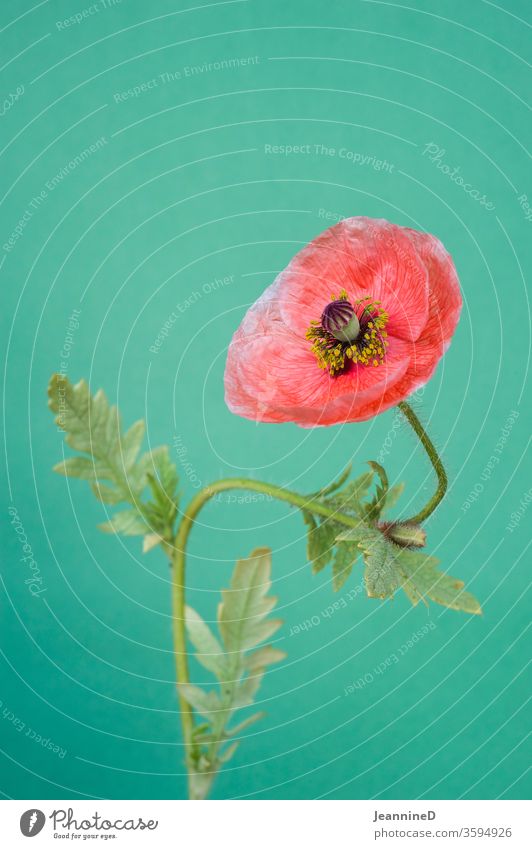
x=356 y=322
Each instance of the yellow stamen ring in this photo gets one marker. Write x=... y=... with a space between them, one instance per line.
x=369 y=347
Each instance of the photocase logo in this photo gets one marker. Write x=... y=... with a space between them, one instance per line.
x=32 y=822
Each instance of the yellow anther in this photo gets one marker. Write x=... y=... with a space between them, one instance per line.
x=368 y=350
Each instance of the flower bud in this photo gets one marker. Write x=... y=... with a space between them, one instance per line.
x=340 y=320
x=404 y=534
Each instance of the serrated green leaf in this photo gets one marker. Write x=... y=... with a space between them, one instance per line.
x=228 y=752
x=374 y=508
x=380 y=574
x=243 y=622
x=102 y=422
x=309 y=520
x=324 y=533
x=209 y=652
x=163 y=476
x=262 y=657
x=245 y=605
x=162 y=479
x=320 y=542
x=208 y=704
x=246 y=690
x=126 y=522
x=150 y=541
x=421 y=578
x=147 y=463
x=107 y=494
x=77 y=467
x=131 y=443
x=200 y=730
x=345 y=556
x=237 y=729
x=112 y=467
x=93 y=427
x=381 y=472
x=71 y=403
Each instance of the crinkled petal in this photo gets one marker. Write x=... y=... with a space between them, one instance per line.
x=272 y=374
x=445 y=299
x=366 y=257
x=445 y=304
x=275 y=377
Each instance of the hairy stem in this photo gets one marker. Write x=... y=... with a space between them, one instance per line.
x=434 y=458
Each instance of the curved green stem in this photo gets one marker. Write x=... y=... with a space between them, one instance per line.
x=304 y=502
x=434 y=458
x=180 y=643
x=178 y=579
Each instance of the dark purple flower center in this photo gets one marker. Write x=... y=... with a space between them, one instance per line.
x=340 y=320
x=349 y=332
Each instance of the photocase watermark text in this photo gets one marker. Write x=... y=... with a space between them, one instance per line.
x=34 y=581
x=518 y=514
x=492 y=462
x=10 y=99
x=29 y=732
x=183 y=306
x=326 y=613
x=40 y=197
x=355 y=157
x=524 y=203
x=88 y=12
x=436 y=155
x=391 y=660
x=179 y=74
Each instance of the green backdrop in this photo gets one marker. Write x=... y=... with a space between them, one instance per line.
x=143 y=174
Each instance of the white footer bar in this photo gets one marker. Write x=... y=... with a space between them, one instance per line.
x=267 y=824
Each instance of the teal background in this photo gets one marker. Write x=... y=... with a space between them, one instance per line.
x=182 y=193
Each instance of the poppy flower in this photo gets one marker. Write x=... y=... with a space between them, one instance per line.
x=354 y=324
